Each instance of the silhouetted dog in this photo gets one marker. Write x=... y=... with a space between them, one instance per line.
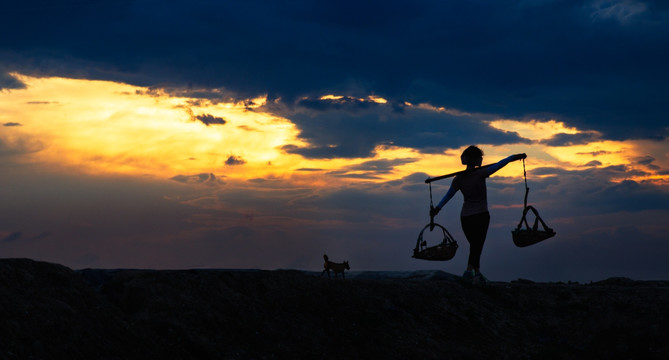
x=336 y=267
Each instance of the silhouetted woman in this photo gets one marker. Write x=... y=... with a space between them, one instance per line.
x=474 y=216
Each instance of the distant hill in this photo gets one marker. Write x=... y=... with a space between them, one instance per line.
x=51 y=312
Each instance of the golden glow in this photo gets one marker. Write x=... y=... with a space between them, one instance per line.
x=331 y=97
x=372 y=98
x=102 y=127
x=534 y=130
x=597 y=153
x=439 y=109
x=376 y=99
x=603 y=153
x=106 y=127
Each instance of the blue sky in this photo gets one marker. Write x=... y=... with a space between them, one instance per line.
x=357 y=103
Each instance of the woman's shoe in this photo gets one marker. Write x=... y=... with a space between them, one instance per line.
x=479 y=278
x=468 y=275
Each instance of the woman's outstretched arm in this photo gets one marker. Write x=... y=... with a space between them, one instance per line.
x=502 y=163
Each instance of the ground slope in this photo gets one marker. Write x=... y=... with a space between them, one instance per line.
x=50 y=311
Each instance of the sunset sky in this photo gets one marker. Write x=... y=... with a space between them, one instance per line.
x=263 y=134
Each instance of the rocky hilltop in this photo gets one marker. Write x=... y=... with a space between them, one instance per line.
x=51 y=312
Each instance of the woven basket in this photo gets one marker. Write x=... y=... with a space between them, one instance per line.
x=527 y=237
x=441 y=252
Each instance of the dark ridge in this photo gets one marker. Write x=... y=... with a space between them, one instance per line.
x=50 y=312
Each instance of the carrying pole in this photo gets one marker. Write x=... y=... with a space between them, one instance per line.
x=429 y=180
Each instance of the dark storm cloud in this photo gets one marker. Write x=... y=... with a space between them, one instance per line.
x=204 y=178
x=349 y=175
x=210 y=119
x=11 y=124
x=645 y=160
x=570 y=139
x=648 y=162
x=356 y=131
x=381 y=166
x=595 y=153
x=596 y=64
x=370 y=169
x=608 y=172
x=9 y=82
x=348 y=103
x=234 y=160
x=594 y=163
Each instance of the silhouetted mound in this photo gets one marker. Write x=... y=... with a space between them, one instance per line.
x=50 y=311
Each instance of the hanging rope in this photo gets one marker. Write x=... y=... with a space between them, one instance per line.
x=431 y=207
x=527 y=189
